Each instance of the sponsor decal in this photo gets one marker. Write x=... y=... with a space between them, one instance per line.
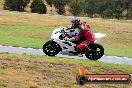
x=83 y=77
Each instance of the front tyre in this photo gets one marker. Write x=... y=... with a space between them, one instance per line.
x=96 y=52
x=51 y=48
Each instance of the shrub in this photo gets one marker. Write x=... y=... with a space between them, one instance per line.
x=60 y=6
x=108 y=13
x=38 y=6
x=15 y=5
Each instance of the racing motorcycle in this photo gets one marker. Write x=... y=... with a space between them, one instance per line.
x=59 y=42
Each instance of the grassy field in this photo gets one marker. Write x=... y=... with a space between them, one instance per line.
x=32 y=30
x=24 y=35
x=22 y=71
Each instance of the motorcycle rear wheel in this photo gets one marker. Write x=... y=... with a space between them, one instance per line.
x=96 y=51
x=51 y=48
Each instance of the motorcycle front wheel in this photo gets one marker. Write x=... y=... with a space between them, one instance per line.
x=51 y=48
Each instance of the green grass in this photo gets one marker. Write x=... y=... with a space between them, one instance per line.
x=77 y=62
x=24 y=71
x=24 y=35
x=117 y=51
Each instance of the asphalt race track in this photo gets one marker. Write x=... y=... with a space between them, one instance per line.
x=39 y=52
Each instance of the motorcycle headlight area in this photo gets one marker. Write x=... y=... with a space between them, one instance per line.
x=56 y=32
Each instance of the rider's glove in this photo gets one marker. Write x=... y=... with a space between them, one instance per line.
x=72 y=39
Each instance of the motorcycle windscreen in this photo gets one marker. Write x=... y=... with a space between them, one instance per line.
x=56 y=36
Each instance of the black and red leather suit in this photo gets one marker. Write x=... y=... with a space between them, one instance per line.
x=86 y=35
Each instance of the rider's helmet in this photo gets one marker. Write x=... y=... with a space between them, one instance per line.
x=75 y=22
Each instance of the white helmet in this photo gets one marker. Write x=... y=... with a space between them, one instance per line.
x=75 y=20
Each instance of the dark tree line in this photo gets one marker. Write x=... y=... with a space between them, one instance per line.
x=103 y=8
x=16 y=5
x=37 y=6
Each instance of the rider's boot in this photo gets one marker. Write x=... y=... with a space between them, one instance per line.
x=79 y=53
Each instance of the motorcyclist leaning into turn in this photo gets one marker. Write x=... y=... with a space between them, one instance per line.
x=85 y=35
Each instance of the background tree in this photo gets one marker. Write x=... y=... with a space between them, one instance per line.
x=38 y=6
x=114 y=9
x=102 y=8
x=108 y=13
x=128 y=8
x=50 y=2
x=75 y=6
x=90 y=7
x=60 y=6
x=118 y=8
x=102 y=5
x=15 y=5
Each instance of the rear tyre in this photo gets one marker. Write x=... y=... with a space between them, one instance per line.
x=96 y=51
x=51 y=48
